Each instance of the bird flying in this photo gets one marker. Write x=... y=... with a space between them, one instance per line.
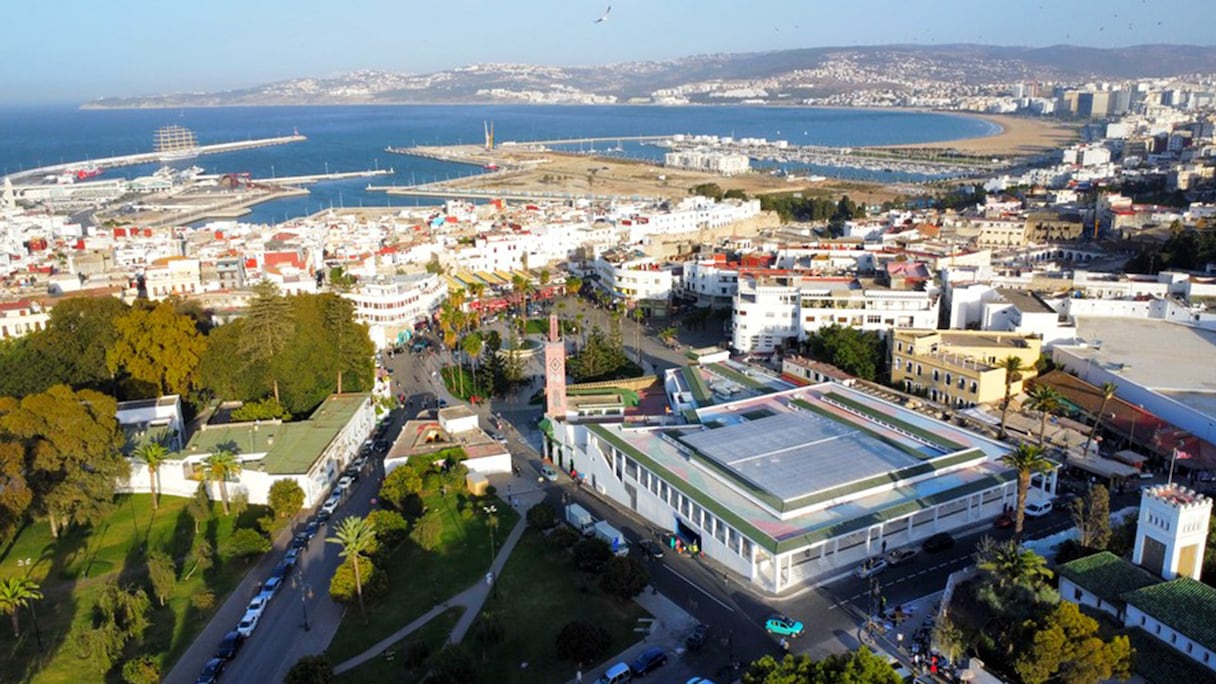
x=605 y=17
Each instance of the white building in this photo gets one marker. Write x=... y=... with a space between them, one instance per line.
x=770 y=312
x=630 y=277
x=724 y=163
x=713 y=282
x=392 y=305
x=22 y=317
x=311 y=452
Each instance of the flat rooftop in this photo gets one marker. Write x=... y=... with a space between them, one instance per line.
x=790 y=454
x=1024 y=301
x=1165 y=357
x=808 y=464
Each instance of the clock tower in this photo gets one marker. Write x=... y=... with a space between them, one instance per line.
x=555 y=372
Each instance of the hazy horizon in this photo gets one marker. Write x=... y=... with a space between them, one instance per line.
x=77 y=54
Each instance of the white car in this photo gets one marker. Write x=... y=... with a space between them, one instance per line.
x=872 y=566
x=248 y=623
x=258 y=604
x=344 y=482
x=331 y=504
x=1038 y=509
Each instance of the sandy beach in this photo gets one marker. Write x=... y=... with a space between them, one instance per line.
x=1019 y=135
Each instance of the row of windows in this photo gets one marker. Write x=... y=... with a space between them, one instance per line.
x=693 y=512
x=937 y=376
x=19 y=329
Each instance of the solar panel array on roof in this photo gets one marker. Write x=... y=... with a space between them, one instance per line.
x=795 y=454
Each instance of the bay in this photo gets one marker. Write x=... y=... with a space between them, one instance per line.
x=351 y=138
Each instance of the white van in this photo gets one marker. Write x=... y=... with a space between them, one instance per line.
x=617 y=674
x=1038 y=508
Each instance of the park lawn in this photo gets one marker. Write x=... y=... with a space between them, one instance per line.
x=453 y=383
x=416 y=577
x=73 y=570
x=539 y=592
x=380 y=670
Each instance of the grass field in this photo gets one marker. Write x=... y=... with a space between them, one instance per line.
x=73 y=569
x=382 y=670
x=418 y=578
x=539 y=592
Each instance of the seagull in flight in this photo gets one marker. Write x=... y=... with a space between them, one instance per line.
x=605 y=17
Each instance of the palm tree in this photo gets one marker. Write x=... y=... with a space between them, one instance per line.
x=356 y=535
x=1013 y=368
x=16 y=593
x=472 y=344
x=1108 y=393
x=153 y=454
x=220 y=466
x=1010 y=564
x=1027 y=459
x=1046 y=400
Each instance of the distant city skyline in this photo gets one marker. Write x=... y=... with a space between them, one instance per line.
x=75 y=52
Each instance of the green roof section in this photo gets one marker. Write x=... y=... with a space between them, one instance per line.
x=1107 y=576
x=289 y=448
x=931 y=438
x=735 y=376
x=700 y=391
x=1181 y=603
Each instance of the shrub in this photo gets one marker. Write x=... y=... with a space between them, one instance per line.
x=428 y=531
x=563 y=537
x=582 y=641
x=342 y=586
x=624 y=577
x=245 y=543
x=391 y=527
x=590 y=555
x=542 y=516
x=202 y=601
x=314 y=669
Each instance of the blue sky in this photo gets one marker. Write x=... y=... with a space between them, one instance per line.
x=76 y=50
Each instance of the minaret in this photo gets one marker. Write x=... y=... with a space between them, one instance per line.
x=7 y=200
x=1172 y=531
x=555 y=372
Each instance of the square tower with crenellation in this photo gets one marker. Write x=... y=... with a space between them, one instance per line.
x=1172 y=531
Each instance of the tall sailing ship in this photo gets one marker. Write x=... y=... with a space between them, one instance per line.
x=175 y=142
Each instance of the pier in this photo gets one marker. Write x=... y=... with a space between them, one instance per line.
x=514 y=195
x=318 y=177
x=155 y=157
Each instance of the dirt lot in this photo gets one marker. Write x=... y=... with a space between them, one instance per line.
x=555 y=172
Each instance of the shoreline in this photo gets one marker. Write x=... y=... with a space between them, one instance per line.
x=1026 y=141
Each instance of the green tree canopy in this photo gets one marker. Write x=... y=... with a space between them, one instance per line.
x=313 y=669
x=286 y=498
x=1067 y=648
x=624 y=577
x=857 y=667
x=857 y=352
x=582 y=641
x=158 y=349
x=71 y=459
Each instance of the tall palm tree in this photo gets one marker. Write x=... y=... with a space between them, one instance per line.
x=1027 y=459
x=220 y=466
x=1046 y=400
x=472 y=344
x=356 y=535
x=1108 y=393
x=153 y=454
x=16 y=593
x=1013 y=368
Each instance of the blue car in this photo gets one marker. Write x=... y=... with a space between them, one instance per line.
x=784 y=626
x=650 y=659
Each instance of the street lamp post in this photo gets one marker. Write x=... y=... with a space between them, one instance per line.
x=492 y=522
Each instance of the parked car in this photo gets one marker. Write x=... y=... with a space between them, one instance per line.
x=300 y=541
x=700 y=634
x=248 y=623
x=938 y=542
x=258 y=604
x=344 y=482
x=291 y=557
x=651 y=548
x=230 y=645
x=1038 y=509
x=352 y=471
x=1003 y=522
x=282 y=568
x=617 y=674
x=651 y=659
x=548 y=472
x=322 y=517
x=871 y=567
x=211 y=671
x=900 y=556
x=783 y=626
x=312 y=528
x=272 y=586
